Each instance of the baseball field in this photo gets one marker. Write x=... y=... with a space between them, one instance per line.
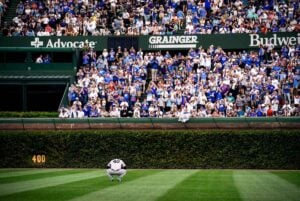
x=149 y=185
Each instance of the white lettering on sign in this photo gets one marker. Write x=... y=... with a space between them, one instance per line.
x=58 y=43
x=256 y=40
x=173 y=42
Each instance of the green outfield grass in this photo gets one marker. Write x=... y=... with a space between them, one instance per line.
x=149 y=185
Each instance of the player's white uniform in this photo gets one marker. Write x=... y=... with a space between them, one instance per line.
x=116 y=167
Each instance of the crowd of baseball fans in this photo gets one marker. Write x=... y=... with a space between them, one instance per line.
x=145 y=17
x=195 y=83
x=198 y=83
x=3 y=8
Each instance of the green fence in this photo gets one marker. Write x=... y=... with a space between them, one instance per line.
x=226 y=41
x=148 y=123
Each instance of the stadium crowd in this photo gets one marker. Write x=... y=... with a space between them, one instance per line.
x=200 y=83
x=3 y=8
x=144 y=17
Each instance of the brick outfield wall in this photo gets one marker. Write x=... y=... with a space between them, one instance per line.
x=148 y=123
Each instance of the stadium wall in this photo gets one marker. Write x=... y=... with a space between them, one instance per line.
x=149 y=123
x=156 y=42
x=259 y=149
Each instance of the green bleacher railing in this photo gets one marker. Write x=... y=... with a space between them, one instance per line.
x=64 y=99
x=149 y=123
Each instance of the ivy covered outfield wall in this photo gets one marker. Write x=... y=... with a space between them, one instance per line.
x=263 y=149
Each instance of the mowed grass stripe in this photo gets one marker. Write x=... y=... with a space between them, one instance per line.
x=6 y=189
x=205 y=185
x=39 y=176
x=72 y=190
x=264 y=186
x=5 y=170
x=18 y=172
x=290 y=176
x=147 y=188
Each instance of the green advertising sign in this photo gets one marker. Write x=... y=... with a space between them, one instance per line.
x=98 y=43
x=159 y=42
x=226 y=41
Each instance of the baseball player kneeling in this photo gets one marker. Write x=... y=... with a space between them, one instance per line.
x=116 y=167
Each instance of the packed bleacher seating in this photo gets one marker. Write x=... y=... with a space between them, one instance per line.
x=200 y=83
x=3 y=9
x=195 y=83
x=144 y=17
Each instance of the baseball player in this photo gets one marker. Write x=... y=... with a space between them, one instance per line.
x=116 y=167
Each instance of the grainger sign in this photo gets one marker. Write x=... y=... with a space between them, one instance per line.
x=178 y=42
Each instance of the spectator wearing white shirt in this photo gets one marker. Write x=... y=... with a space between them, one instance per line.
x=63 y=113
x=39 y=59
x=184 y=115
x=115 y=112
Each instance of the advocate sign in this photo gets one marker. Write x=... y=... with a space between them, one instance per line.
x=99 y=43
x=59 y=43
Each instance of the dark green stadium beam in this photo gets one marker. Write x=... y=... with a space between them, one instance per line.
x=24 y=97
x=32 y=49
